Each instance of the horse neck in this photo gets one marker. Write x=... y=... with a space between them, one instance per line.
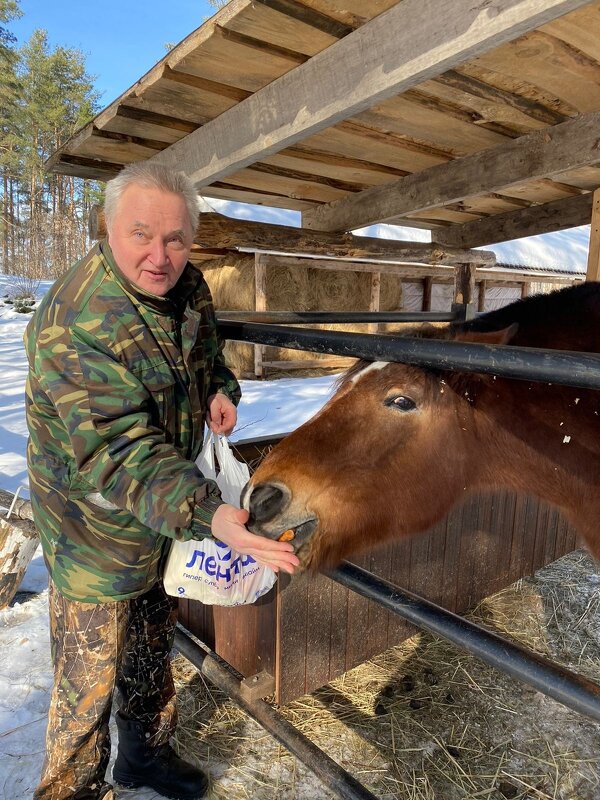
x=540 y=439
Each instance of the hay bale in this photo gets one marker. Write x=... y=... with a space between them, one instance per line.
x=392 y=294
x=232 y=283
x=288 y=289
x=339 y=291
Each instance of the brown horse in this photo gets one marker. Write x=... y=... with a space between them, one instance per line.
x=397 y=446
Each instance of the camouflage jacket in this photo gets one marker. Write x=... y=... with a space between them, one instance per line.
x=116 y=400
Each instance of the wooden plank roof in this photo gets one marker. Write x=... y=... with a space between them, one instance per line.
x=432 y=113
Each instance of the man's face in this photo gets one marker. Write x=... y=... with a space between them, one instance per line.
x=151 y=237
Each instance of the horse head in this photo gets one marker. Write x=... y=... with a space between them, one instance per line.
x=387 y=456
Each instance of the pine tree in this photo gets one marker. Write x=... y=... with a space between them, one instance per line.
x=9 y=93
x=44 y=215
x=58 y=98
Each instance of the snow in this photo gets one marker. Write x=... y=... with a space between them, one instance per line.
x=25 y=686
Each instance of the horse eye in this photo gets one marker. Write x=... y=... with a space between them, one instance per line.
x=401 y=402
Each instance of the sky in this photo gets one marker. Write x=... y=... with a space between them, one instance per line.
x=121 y=39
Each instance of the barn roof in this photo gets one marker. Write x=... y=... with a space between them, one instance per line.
x=478 y=120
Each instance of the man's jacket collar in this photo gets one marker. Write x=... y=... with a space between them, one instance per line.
x=172 y=303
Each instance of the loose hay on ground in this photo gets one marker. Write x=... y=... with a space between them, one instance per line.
x=425 y=721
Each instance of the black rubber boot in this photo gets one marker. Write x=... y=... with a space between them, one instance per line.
x=160 y=768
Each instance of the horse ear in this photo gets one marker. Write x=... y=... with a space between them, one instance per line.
x=502 y=336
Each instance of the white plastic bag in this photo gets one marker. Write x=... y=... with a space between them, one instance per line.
x=206 y=460
x=208 y=570
x=233 y=474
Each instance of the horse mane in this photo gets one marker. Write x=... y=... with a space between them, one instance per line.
x=570 y=306
x=352 y=370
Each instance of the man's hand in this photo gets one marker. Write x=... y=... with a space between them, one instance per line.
x=222 y=414
x=228 y=526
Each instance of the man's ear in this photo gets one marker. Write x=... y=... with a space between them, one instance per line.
x=502 y=336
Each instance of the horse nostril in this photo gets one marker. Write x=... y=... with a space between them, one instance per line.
x=266 y=501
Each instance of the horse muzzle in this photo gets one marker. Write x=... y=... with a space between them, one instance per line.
x=272 y=515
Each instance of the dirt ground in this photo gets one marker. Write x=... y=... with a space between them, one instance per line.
x=425 y=721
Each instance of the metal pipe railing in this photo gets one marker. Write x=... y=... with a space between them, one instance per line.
x=569 y=688
x=335 y=317
x=526 y=363
x=223 y=675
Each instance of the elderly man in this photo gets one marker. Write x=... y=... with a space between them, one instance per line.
x=124 y=368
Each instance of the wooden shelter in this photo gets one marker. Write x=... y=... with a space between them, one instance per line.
x=477 y=120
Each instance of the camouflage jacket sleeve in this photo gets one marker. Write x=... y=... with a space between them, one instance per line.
x=118 y=447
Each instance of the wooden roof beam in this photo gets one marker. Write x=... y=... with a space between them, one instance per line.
x=215 y=230
x=549 y=217
x=218 y=232
x=546 y=152
x=526 y=105
x=395 y=51
x=81 y=167
x=309 y=16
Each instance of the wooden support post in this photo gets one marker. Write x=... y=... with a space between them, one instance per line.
x=481 y=299
x=18 y=542
x=593 y=266
x=464 y=290
x=260 y=303
x=427 y=288
x=20 y=508
x=373 y=327
x=525 y=287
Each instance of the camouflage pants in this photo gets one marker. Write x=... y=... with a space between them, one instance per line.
x=95 y=649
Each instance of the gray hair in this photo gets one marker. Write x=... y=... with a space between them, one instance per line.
x=152 y=176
